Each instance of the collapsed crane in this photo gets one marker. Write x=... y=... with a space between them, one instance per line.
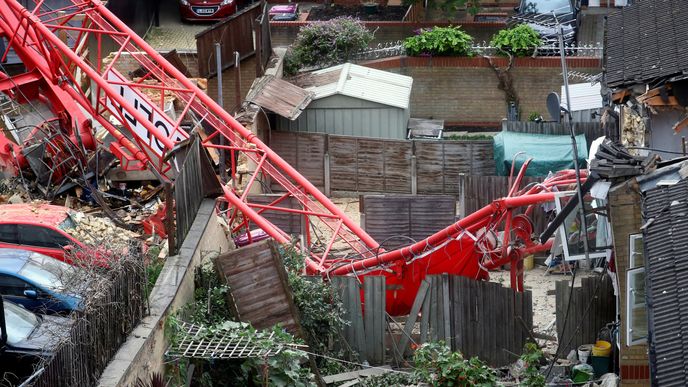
x=63 y=51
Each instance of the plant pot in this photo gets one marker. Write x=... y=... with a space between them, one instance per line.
x=370 y=8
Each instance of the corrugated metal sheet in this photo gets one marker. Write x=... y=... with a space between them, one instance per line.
x=584 y=96
x=359 y=82
x=666 y=243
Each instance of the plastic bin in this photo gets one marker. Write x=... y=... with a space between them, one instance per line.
x=600 y=364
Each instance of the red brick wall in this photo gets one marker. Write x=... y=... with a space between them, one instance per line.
x=465 y=89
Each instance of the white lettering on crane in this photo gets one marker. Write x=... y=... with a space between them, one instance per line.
x=144 y=106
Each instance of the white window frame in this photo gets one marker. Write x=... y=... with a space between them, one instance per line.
x=629 y=309
x=631 y=244
x=564 y=237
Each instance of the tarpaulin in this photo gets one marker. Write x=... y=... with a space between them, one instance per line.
x=549 y=152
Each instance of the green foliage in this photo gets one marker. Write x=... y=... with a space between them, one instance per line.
x=519 y=41
x=320 y=309
x=153 y=267
x=470 y=137
x=326 y=43
x=437 y=365
x=439 y=41
x=389 y=379
x=533 y=116
x=209 y=306
x=532 y=356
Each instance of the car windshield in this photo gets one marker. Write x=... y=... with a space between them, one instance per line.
x=67 y=224
x=20 y=323
x=48 y=272
x=547 y=6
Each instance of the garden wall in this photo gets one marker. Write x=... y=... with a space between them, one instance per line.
x=465 y=90
x=284 y=33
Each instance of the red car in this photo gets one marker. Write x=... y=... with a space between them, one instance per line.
x=206 y=10
x=40 y=228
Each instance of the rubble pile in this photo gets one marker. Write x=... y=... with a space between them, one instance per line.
x=94 y=231
x=614 y=161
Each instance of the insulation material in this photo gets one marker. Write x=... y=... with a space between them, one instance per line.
x=632 y=131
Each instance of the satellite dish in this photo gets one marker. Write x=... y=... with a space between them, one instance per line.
x=554 y=106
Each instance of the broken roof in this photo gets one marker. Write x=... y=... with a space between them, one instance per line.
x=646 y=41
x=279 y=96
x=360 y=82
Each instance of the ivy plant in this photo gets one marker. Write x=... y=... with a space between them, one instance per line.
x=440 y=41
x=519 y=41
x=326 y=43
x=438 y=366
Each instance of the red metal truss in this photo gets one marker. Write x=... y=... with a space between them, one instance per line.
x=67 y=55
x=71 y=42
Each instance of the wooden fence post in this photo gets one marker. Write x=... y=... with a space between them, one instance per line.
x=328 y=186
x=462 y=195
x=414 y=176
x=375 y=318
x=169 y=219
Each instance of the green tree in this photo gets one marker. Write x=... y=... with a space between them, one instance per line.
x=326 y=43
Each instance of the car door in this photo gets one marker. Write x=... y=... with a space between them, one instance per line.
x=8 y=235
x=22 y=292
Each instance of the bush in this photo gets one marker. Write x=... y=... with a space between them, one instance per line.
x=326 y=44
x=440 y=41
x=438 y=366
x=518 y=41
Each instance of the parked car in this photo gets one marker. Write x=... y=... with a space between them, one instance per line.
x=207 y=10
x=42 y=228
x=40 y=283
x=26 y=339
x=543 y=16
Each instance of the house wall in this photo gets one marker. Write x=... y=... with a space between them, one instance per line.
x=348 y=116
x=466 y=90
x=625 y=215
x=662 y=135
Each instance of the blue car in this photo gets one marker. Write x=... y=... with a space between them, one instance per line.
x=40 y=283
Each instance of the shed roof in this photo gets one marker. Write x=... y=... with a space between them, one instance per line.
x=279 y=96
x=360 y=82
x=645 y=41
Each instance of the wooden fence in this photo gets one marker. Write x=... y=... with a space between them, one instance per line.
x=477 y=318
x=592 y=130
x=97 y=334
x=355 y=164
x=396 y=220
x=477 y=191
x=593 y=305
x=263 y=41
x=234 y=34
x=414 y=12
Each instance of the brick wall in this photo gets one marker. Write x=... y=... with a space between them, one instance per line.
x=466 y=89
x=625 y=216
x=248 y=75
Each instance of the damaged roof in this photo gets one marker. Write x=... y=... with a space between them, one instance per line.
x=279 y=96
x=360 y=82
x=646 y=41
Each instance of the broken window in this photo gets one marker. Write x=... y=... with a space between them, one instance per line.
x=636 y=308
x=598 y=229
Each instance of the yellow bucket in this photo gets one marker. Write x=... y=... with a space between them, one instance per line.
x=602 y=348
x=528 y=262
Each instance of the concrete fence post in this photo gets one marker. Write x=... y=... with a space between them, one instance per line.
x=462 y=195
x=328 y=186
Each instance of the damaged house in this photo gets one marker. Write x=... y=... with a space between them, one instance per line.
x=647 y=73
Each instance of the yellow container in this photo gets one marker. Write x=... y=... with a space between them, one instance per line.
x=529 y=262
x=602 y=348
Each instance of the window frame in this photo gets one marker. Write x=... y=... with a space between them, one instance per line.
x=593 y=253
x=629 y=309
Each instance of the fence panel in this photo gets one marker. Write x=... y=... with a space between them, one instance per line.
x=592 y=307
x=478 y=318
x=391 y=217
x=188 y=192
x=96 y=335
x=234 y=34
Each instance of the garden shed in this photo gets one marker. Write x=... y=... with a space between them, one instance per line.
x=353 y=100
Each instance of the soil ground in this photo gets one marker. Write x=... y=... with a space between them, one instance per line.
x=388 y=13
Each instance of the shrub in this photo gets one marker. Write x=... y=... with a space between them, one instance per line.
x=440 y=41
x=518 y=41
x=326 y=43
x=437 y=365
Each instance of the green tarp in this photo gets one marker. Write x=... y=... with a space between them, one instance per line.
x=549 y=153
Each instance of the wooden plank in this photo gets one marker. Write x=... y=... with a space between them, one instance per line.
x=343 y=377
x=375 y=318
x=446 y=314
x=413 y=317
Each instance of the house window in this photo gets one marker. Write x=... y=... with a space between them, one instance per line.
x=598 y=229
x=636 y=308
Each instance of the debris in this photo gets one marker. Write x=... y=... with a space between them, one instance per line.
x=346 y=376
